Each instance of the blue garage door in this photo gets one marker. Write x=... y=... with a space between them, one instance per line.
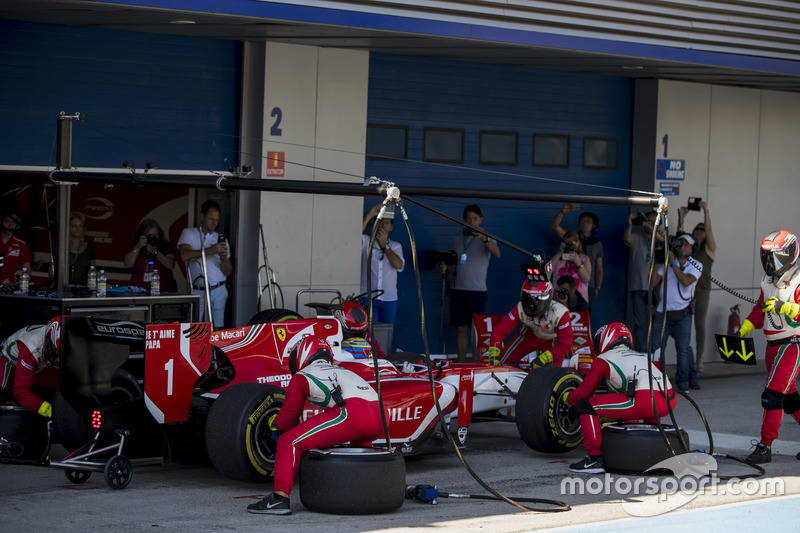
x=145 y=97
x=484 y=104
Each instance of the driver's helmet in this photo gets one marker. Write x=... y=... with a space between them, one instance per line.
x=610 y=336
x=308 y=350
x=778 y=252
x=352 y=316
x=357 y=347
x=51 y=349
x=536 y=297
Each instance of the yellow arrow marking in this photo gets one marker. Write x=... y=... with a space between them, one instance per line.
x=726 y=352
x=744 y=354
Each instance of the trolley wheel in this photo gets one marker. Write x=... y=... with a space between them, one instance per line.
x=118 y=472
x=77 y=476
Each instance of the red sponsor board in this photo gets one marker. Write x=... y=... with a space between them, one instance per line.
x=482 y=327
x=582 y=340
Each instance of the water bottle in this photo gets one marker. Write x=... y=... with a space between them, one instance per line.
x=24 y=282
x=155 y=283
x=92 y=281
x=102 y=282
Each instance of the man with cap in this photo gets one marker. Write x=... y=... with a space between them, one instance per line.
x=676 y=307
x=387 y=261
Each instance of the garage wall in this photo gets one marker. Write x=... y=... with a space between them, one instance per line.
x=741 y=157
x=320 y=96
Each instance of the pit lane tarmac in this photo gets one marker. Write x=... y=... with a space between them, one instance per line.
x=196 y=498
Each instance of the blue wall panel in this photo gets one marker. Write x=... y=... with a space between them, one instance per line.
x=146 y=97
x=435 y=93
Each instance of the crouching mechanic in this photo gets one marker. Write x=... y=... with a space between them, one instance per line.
x=546 y=328
x=778 y=313
x=351 y=414
x=625 y=373
x=29 y=360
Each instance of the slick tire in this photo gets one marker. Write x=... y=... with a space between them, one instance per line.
x=25 y=433
x=352 y=481
x=545 y=424
x=273 y=315
x=238 y=434
x=634 y=448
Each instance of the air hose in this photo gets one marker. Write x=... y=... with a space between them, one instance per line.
x=393 y=195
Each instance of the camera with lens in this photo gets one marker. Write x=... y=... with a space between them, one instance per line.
x=468 y=231
x=676 y=245
x=562 y=295
x=569 y=246
x=152 y=240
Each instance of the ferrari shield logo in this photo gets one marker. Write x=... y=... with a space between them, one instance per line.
x=281 y=334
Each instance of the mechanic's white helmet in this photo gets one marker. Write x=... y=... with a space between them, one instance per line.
x=610 y=336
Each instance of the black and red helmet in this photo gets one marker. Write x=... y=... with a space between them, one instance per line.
x=610 y=336
x=308 y=350
x=778 y=252
x=353 y=317
x=536 y=297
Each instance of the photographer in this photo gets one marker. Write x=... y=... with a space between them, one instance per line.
x=568 y=297
x=150 y=245
x=681 y=282
x=473 y=250
x=571 y=261
x=637 y=236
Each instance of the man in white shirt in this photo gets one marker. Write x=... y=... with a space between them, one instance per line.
x=218 y=261
x=387 y=261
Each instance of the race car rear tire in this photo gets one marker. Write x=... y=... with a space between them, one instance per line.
x=545 y=424
x=352 y=481
x=273 y=315
x=26 y=433
x=634 y=448
x=238 y=436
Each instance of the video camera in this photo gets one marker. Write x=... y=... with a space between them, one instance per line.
x=448 y=258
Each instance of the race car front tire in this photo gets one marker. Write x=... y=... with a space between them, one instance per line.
x=238 y=434
x=352 y=481
x=545 y=424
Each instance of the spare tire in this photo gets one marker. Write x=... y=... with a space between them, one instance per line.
x=25 y=433
x=545 y=424
x=633 y=448
x=273 y=315
x=238 y=434
x=352 y=480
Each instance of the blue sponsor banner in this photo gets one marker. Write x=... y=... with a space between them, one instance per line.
x=670 y=169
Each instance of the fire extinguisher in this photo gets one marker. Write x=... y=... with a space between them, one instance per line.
x=734 y=323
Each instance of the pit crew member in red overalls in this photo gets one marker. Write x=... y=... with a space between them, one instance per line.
x=626 y=375
x=355 y=335
x=778 y=313
x=546 y=327
x=29 y=358
x=351 y=414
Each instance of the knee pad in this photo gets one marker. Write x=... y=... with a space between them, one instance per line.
x=791 y=402
x=584 y=408
x=771 y=400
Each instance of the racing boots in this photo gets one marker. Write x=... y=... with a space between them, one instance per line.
x=272 y=504
x=589 y=465
x=761 y=454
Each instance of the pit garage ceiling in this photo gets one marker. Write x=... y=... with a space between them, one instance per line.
x=776 y=70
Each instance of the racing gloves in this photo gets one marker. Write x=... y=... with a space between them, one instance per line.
x=773 y=305
x=564 y=397
x=494 y=356
x=746 y=329
x=46 y=410
x=544 y=359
